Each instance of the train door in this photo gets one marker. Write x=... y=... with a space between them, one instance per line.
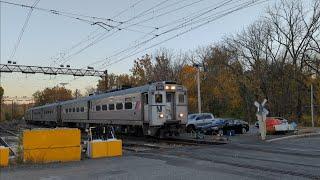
x=170 y=105
x=59 y=118
x=145 y=107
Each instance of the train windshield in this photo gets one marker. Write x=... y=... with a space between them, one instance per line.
x=158 y=98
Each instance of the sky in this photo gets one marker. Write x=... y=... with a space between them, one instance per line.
x=52 y=39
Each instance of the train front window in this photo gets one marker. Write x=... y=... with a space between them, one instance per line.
x=181 y=98
x=158 y=98
x=169 y=97
x=82 y=109
x=78 y=109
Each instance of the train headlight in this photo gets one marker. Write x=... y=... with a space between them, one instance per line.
x=181 y=115
x=161 y=115
x=167 y=87
x=173 y=87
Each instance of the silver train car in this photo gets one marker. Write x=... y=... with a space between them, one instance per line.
x=155 y=109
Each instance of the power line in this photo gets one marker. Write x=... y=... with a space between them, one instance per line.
x=216 y=17
x=165 y=32
x=58 y=12
x=125 y=10
x=119 y=28
x=139 y=15
x=193 y=28
x=23 y=29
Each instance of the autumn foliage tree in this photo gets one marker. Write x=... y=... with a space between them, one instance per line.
x=51 y=95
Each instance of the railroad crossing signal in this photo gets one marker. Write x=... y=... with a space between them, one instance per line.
x=262 y=116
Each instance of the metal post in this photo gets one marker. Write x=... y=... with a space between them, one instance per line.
x=199 y=96
x=312 y=113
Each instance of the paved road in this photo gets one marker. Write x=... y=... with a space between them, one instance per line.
x=292 y=159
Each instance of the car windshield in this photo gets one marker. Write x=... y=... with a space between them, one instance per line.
x=192 y=116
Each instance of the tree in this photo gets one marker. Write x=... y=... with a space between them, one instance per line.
x=52 y=95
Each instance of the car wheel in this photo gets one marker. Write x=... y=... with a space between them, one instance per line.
x=190 y=128
x=244 y=130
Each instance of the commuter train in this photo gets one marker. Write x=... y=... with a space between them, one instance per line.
x=155 y=109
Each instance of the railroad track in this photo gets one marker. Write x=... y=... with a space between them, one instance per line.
x=10 y=132
x=133 y=143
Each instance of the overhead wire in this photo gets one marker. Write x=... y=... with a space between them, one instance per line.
x=245 y=5
x=193 y=28
x=23 y=30
x=150 y=33
x=165 y=32
x=100 y=38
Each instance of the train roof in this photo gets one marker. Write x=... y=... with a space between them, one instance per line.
x=108 y=94
x=139 y=89
x=44 y=106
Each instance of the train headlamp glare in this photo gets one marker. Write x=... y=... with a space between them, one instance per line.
x=161 y=115
x=181 y=115
x=167 y=87
x=173 y=87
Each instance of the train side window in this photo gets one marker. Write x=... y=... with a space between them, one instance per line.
x=104 y=107
x=74 y=110
x=128 y=105
x=82 y=109
x=69 y=110
x=98 y=108
x=66 y=110
x=158 y=98
x=181 y=98
x=119 y=106
x=111 y=107
x=78 y=109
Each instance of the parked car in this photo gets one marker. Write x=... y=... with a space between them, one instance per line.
x=278 y=125
x=238 y=125
x=196 y=121
x=225 y=125
x=215 y=127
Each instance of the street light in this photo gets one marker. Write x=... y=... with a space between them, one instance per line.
x=198 y=84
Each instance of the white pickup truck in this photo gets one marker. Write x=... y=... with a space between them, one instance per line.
x=197 y=120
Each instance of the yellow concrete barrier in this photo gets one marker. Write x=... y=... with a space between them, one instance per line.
x=51 y=138
x=4 y=156
x=114 y=148
x=62 y=154
x=109 y=148
x=51 y=145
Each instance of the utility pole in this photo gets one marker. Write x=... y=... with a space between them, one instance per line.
x=312 y=112
x=198 y=84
